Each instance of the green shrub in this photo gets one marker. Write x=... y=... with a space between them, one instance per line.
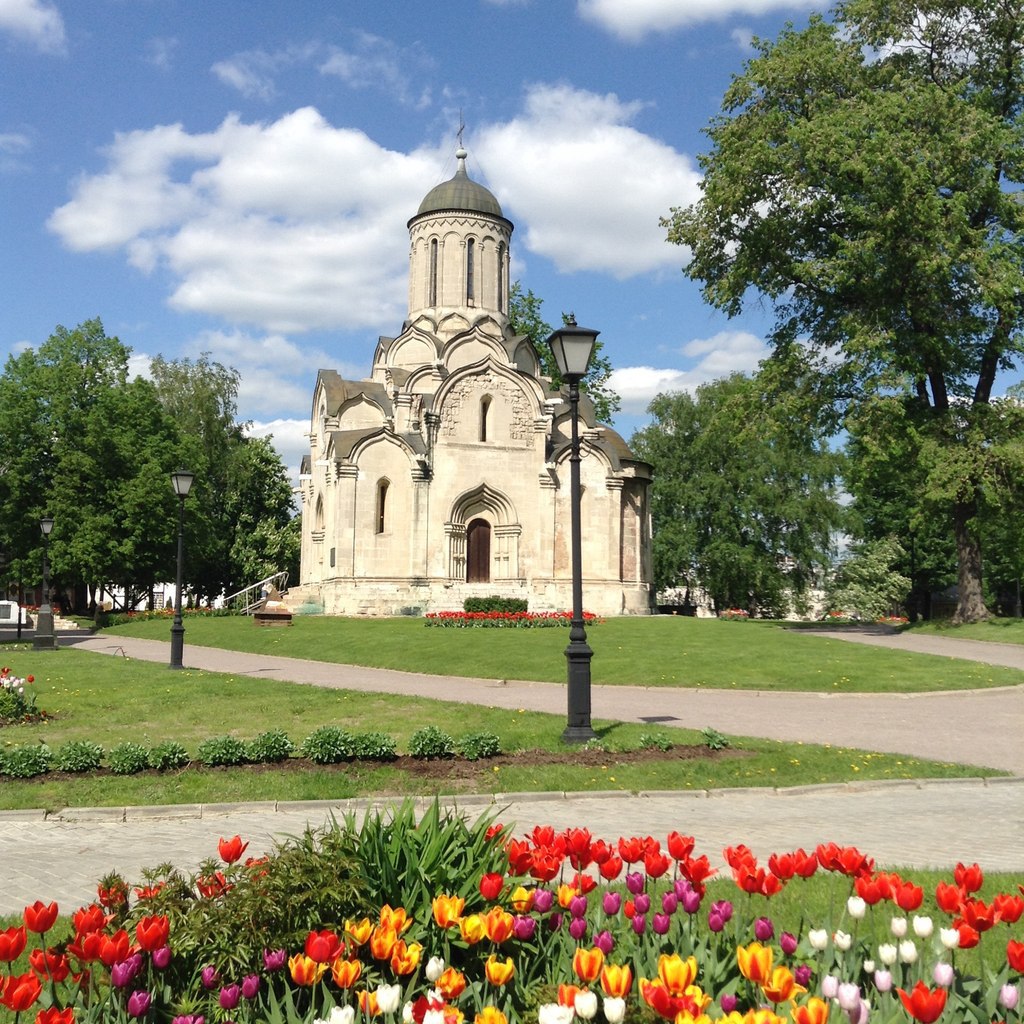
x=270 y=747
x=494 y=604
x=168 y=756
x=714 y=739
x=22 y=762
x=221 y=750
x=430 y=743
x=329 y=744
x=78 y=756
x=375 y=746
x=655 y=741
x=479 y=744
x=128 y=758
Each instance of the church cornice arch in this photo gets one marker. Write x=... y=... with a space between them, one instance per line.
x=384 y=435
x=529 y=386
x=591 y=446
x=483 y=499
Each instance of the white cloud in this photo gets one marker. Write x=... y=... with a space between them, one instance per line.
x=283 y=225
x=289 y=439
x=35 y=21
x=631 y=20
x=160 y=52
x=589 y=186
x=718 y=356
x=13 y=146
x=373 y=62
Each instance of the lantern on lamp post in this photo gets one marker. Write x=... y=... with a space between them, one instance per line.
x=182 y=482
x=573 y=347
x=45 y=639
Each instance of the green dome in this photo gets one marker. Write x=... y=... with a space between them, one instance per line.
x=460 y=193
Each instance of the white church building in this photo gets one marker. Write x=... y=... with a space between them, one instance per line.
x=445 y=473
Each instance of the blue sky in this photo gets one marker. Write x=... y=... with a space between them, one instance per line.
x=235 y=177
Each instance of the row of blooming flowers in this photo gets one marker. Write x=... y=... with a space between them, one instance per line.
x=575 y=927
x=504 y=620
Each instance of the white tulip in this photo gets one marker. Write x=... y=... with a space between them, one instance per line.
x=389 y=997
x=949 y=937
x=585 y=1004
x=923 y=926
x=434 y=968
x=898 y=926
x=869 y=966
x=887 y=954
x=830 y=986
x=843 y=941
x=908 y=952
x=614 y=1009
x=342 y=1015
x=818 y=938
x=552 y=1013
x=856 y=907
x=848 y=996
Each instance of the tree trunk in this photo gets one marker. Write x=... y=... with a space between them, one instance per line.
x=970 y=605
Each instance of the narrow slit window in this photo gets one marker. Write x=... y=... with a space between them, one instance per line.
x=382 y=504
x=485 y=409
x=433 y=272
x=501 y=278
x=470 y=271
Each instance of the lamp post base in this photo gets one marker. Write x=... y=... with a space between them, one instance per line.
x=577 y=656
x=177 y=645
x=44 y=639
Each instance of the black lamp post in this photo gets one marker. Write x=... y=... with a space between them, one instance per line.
x=573 y=347
x=182 y=481
x=44 y=639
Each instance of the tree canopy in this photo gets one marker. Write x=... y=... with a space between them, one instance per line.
x=865 y=177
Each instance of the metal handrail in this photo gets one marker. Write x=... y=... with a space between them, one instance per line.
x=278 y=580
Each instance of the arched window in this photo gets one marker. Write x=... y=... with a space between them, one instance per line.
x=382 y=502
x=501 y=278
x=433 y=273
x=470 y=270
x=485 y=408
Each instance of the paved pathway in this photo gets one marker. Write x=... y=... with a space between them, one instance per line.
x=909 y=824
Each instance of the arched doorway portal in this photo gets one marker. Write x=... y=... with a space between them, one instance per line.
x=478 y=551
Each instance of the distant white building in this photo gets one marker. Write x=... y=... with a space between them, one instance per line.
x=445 y=473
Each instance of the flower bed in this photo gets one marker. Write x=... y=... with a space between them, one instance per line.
x=17 y=701
x=504 y=620
x=435 y=921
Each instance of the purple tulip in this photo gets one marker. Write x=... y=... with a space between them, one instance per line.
x=523 y=927
x=138 y=1003
x=639 y=923
x=274 y=960
x=604 y=941
x=578 y=928
x=611 y=903
x=210 y=977
x=763 y=929
x=122 y=974
x=661 y=923
x=669 y=902
x=691 y=902
x=189 y=1018
x=723 y=908
x=788 y=943
x=635 y=882
x=554 y=922
x=802 y=974
x=543 y=900
x=681 y=886
x=162 y=958
x=715 y=921
x=229 y=996
x=578 y=906
x=642 y=903
x=250 y=986
x=728 y=1002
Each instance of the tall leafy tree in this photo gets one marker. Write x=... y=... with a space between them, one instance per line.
x=745 y=495
x=865 y=177
x=524 y=315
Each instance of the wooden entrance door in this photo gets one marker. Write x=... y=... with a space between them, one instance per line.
x=478 y=551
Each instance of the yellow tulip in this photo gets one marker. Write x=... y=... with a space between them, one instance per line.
x=781 y=986
x=305 y=970
x=448 y=910
x=359 y=931
x=473 y=929
x=490 y=1015
x=755 y=962
x=499 y=973
x=616 y=980
x=587 y=963
x=405 y=958
x=677 y=974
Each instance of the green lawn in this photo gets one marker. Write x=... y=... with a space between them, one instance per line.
x=1003 y=631
x=648 y=651
x=110 y=700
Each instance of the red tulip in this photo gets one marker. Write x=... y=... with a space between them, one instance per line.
x=979 y=915
x=153 y=932
x=1015 y=955
x=90 y=919
x=680 y=847
x=1008 y=908
x=545 y=866
x=908 y=896
x=115 y=948
x=231 y=849
x=12 y=944
x=611 y=868
x=49 y=964
x=577 y=844
x=949 y=897
x=21 y=991
x=491 y=885
x=872 y=890
x=656 y=863
x=968 y=876
x=520 y=856
x=922 y=1003
x=54 y=1015
x=39 y=917
x=324 y=946
x=631 y=850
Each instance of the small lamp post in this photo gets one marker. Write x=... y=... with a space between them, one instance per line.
x=44 y=639
x=573 y=347
x=182 y=481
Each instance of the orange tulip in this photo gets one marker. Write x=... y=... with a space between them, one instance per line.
x=616 y=980
x=567 y=994
x=345 y=973
x=677 y=974
x=405 y=958
x=451 y=984
x=305 y=970
x=368 y=1004
x=499 y=973
x=397 y=919
x=382 y=942
x=755 y=962
x=473 y=929
x=498 y=924
x=587 y=963
x=816 y=1011
x=781 y=986
x=359 y=931
x=448 y=910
